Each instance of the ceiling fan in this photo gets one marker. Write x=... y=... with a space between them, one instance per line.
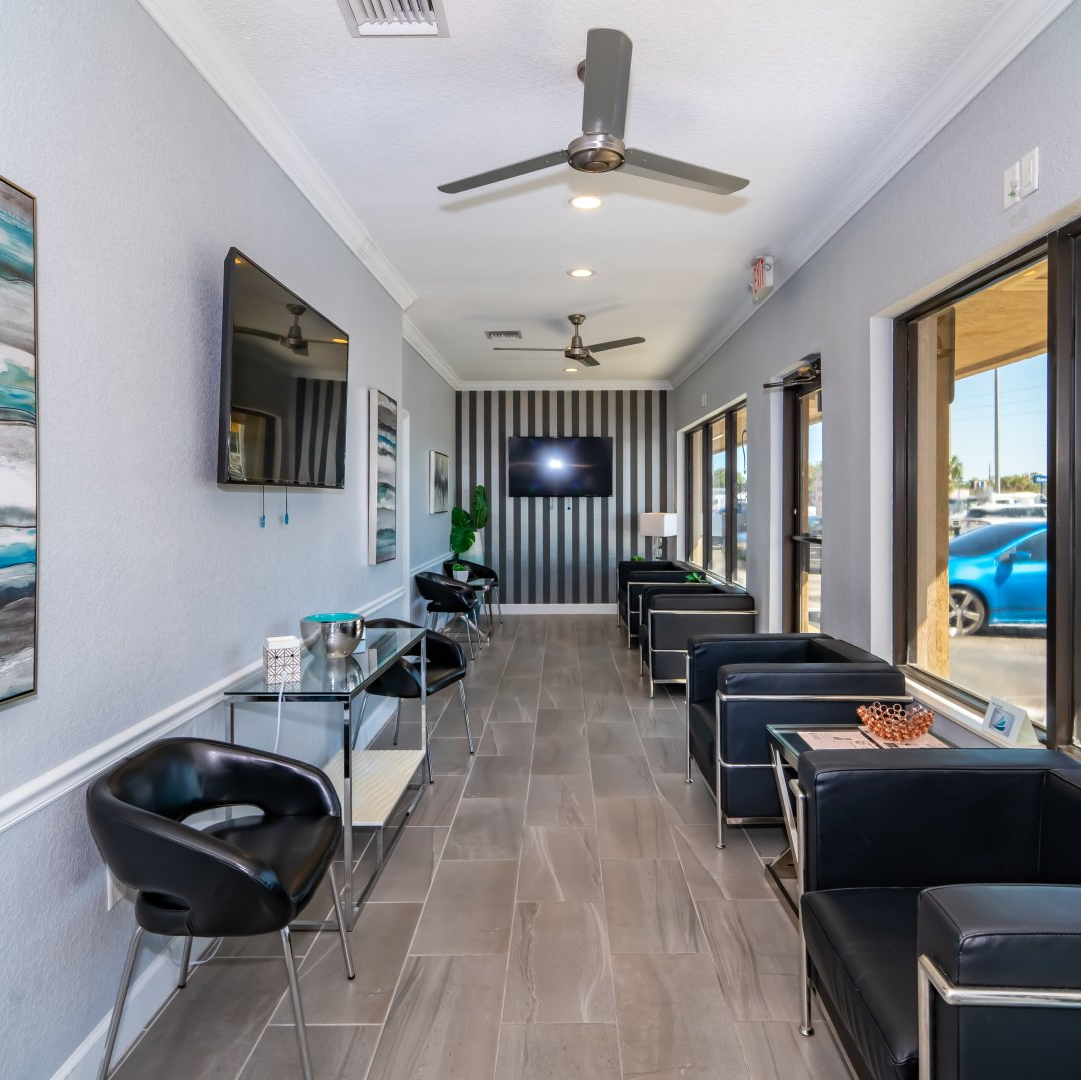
x=293 y=339
x=606 y=72
x=576 y=350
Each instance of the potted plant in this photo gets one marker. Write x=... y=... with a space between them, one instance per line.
x=460 y=571
x=696 y=578
x=464 y=525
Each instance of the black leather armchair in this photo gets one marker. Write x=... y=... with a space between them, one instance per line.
x=670 y=616
x=632 y=576
x=454 y=599
x=238 y=877
x=445 y=665
x=941 y=910
x=480 y=572
x=738 y=684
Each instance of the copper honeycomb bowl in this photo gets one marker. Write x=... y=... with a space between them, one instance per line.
x=895 y=721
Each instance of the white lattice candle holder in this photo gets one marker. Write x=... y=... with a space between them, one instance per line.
x=281 y=659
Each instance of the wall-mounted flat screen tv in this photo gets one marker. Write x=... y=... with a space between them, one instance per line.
x=565 y=466
x=283 y=385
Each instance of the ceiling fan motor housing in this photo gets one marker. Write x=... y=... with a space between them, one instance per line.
x=596 y=152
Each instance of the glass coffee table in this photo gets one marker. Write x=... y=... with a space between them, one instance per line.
x=787 y=744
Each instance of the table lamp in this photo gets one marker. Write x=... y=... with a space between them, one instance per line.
x=658 y=526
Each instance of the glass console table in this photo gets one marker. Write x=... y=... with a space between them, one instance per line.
x=370 y=782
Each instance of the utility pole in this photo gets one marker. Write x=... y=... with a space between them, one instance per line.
x=997 y=478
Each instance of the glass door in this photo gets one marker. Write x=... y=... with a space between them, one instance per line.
x=807 y=513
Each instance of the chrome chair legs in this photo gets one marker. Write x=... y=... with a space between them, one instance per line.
x=465 y=713
x=185 y=963
x=121 y=996
x=298 y=1012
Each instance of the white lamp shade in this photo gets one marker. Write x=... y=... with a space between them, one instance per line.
x=657 y=524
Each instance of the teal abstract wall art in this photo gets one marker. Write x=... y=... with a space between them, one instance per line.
x=18 y=444
x=383 y=477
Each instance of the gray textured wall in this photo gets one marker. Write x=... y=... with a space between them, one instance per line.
x=564 y=551
x=154 y=583
x=430 y=402
x=940 y=218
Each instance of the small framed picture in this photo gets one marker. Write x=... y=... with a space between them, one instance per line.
x=438 y=482
x=1003 y=721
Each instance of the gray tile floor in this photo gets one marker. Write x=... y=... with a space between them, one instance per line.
x=556 y=909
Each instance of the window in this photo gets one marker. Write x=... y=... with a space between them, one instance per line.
x=716 y=503
x=803 y=510
x=974 y=373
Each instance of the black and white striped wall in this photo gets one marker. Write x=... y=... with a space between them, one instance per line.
x=564 y=551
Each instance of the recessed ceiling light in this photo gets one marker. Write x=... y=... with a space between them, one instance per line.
x=581 y=271
x=570 y=370
x=585 y=202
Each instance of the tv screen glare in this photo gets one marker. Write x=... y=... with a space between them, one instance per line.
x=565 y=466
x=283 y=385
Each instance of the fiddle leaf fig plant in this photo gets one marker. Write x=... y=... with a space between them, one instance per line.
x=464 y=525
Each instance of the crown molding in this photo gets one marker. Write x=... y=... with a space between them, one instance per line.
x=191 y=30
x=999 y=44
x=412 y=334
x=567 y=384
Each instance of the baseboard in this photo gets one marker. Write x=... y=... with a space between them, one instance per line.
x=147 y=995
x=559 y=609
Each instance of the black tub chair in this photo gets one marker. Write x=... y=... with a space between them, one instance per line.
x=941 y=910
x=238 y=877
x=451 y=598
x=739 y=684
x=446 y=665
x=669 y=617
x=482 y=573
x=632 y=576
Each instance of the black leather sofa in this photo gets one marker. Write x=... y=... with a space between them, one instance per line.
x=670 y=616
x=634 y=574
x=932 y=876
x=739 y=684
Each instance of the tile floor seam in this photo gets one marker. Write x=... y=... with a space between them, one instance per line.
x=517 y=882
x=408 y=952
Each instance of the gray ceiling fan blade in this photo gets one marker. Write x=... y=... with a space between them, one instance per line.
x=520 y=348
x=655 y=167
x=589 y=361
x=608 y=80
x=604 y=345
x=257 y=333
x=557 y=157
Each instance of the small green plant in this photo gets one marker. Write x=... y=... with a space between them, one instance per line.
x=464 y=525
x=696 y=578
x=459 y=567
x=638 y=558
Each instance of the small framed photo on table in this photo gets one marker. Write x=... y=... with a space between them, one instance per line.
x=1003 y=721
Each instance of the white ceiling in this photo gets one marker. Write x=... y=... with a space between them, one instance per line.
x=816 y=103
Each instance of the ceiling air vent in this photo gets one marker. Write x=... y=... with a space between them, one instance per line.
x=503 y=335
x=394 y=18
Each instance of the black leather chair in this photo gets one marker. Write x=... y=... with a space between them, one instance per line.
x=238 y=877
x=739 y=684
x=446 y=665
x=670 y=616
x=941 y=910
x=480 y=572
x=451 y=598
x=632 y=576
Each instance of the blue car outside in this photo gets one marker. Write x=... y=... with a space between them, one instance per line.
x=998 y=576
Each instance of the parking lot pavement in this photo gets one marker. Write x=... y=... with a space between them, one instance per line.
x=1008 y=664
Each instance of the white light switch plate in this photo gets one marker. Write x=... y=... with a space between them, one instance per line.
x=1030 y=172
x=1011 y=186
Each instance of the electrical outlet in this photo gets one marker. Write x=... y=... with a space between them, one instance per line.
x=115 y=891
x=1030 y=172
x=1011 y=186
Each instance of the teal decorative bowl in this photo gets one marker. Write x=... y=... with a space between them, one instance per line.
x=333 y=635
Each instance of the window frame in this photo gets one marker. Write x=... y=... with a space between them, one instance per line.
x=1062 y=249
x=793 y=470
x=705 y=427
